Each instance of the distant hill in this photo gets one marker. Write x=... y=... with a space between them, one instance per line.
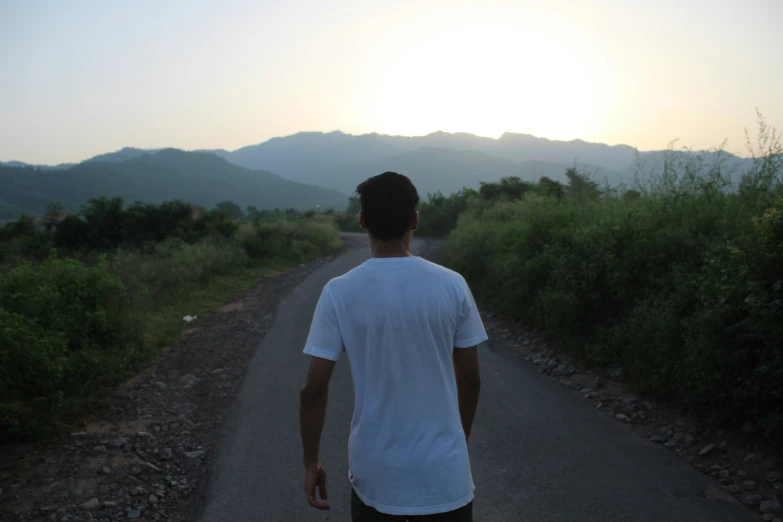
x=335 y=161
x=200 y=178
x=340 y=160
x=124 y=154
x=447 y=170
x=61 y=166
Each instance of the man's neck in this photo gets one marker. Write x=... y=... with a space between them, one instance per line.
x=394 y=248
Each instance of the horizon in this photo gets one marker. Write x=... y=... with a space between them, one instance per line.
x=336 y=131
x=90 y=77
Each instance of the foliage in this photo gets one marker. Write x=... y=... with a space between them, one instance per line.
x=348 y=221
x=678 y=283
x=72 y=329
x=65 y=332
x=107 y=224
x=232 y=210
x=438 y=214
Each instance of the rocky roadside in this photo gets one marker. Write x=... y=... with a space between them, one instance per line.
x=740 y=463
x=145 y=455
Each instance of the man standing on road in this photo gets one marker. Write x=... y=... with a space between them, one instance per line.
x=410 y=329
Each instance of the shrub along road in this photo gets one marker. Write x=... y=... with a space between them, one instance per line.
x=538 y=451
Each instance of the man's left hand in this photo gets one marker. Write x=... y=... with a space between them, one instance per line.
x=315 y=477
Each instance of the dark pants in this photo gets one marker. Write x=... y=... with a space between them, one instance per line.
x=363 y=513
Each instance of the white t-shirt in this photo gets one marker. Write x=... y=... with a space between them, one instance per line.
x=399 y=319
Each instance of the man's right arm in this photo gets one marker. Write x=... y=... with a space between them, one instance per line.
x=466 y=371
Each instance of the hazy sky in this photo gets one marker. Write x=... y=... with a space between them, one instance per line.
x=84 y=77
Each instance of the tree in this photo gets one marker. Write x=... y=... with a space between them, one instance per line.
x=52 y=215
x=510 y=188
x=232 y=210
x=105 y=219
x=580 y=186
x=551 y=188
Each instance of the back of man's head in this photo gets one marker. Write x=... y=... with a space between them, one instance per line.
x=388 y=204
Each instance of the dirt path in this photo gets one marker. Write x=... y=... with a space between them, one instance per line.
x=144 y=456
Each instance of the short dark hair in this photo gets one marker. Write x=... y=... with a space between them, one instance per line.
x=389 y=205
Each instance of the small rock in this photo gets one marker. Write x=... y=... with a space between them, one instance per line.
x=194 y=454
x=774 y=476
x=77 y=493
x=166 y=454
x=768 y=517
x=658 y=438
x=97 y=450
x=733 y=489
x=136 y=491
x=49 y=509
x=622 y=417
x=675 y=440
x=753 y=458
x=109 y=503
x=749 y=485
x=106 y=470
x=768 y=463
x=161 y=385
x=91 y=504
x=145 y=435
x=706 y=449
x=152 y=499
x=751 y=499
x=118 y=442
x=742 y=474
x=134 y=513
x=135 y=470
x=724 y=474
x=747 y=427
x=78 y=434
x=688 y=439
x=770 y=506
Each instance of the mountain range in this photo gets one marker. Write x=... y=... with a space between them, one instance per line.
x=155 y=176
x=315 y=168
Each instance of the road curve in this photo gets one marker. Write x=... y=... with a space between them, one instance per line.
x=538 y=452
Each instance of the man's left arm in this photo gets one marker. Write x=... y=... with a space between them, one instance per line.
x=312 y=415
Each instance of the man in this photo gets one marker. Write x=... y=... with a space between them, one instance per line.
x=410 y=329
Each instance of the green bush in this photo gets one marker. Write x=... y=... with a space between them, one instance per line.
x=678 y=284
x=66 y=333
x=286 y=240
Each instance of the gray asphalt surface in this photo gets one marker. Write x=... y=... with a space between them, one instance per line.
x=538 y=452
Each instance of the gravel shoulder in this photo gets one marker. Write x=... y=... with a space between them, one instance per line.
x=145 y=454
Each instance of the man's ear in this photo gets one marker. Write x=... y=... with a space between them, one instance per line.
x=415 y=222
x=361 y=221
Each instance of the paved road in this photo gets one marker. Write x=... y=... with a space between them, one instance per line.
x=538 y=452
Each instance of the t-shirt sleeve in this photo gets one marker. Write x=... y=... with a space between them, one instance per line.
x=324 y=340
x=470 y=328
